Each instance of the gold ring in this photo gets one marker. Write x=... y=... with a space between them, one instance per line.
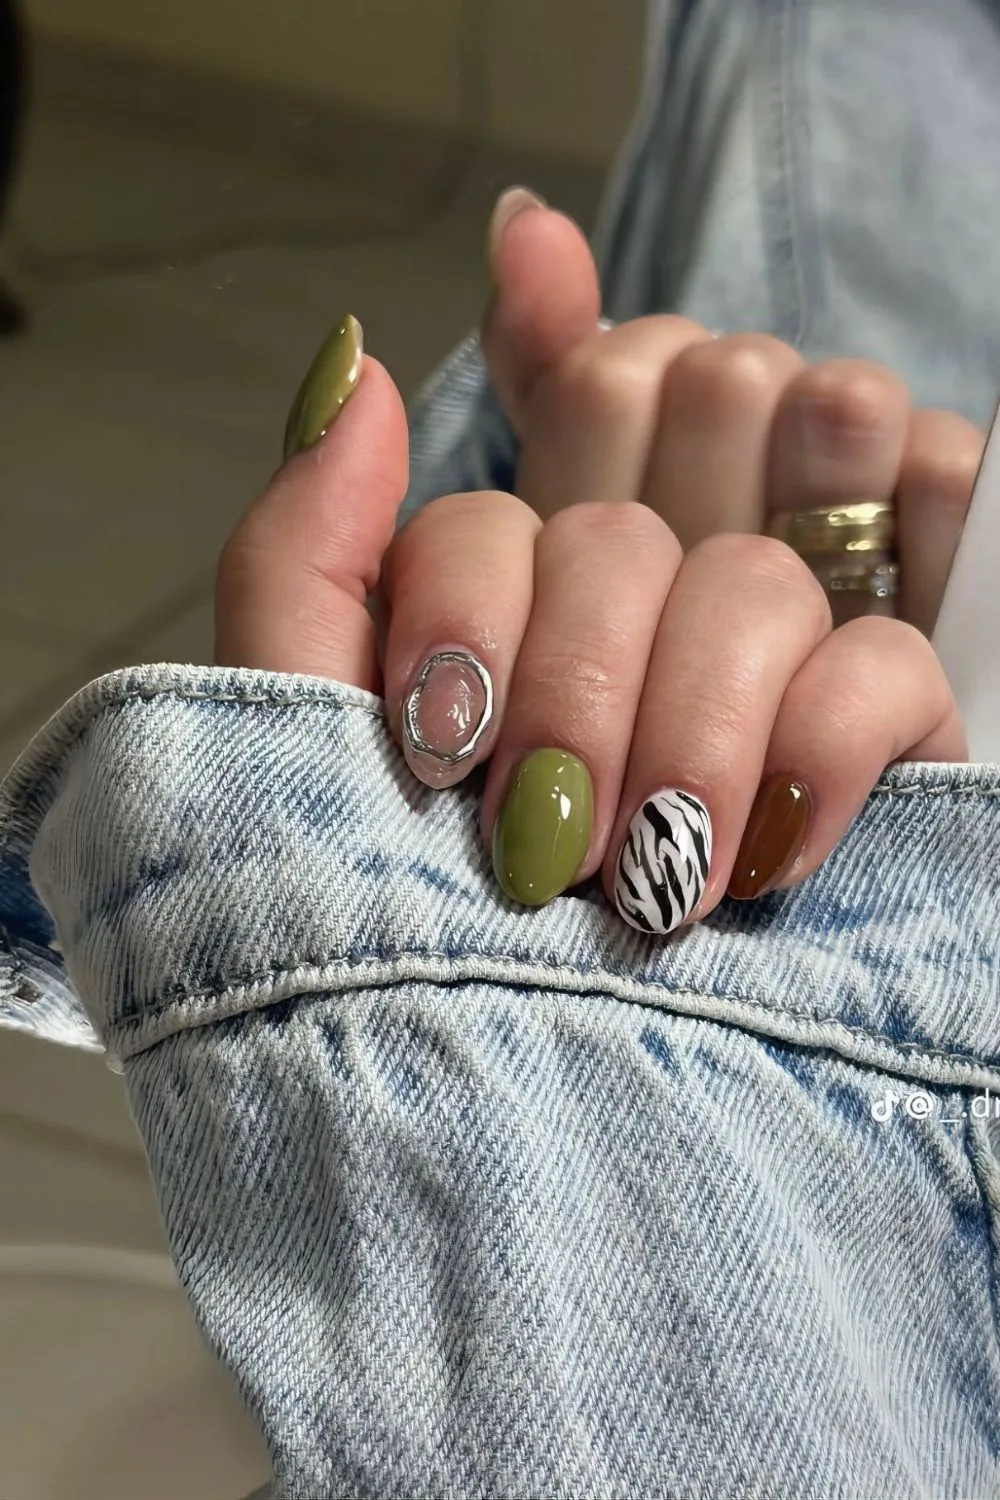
x=879 y=580
x=868 y=526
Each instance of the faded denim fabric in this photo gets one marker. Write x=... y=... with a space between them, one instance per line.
x=484 y=1202
x=481 y=1201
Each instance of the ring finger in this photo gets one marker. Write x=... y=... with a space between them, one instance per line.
x=838 y=437
x=591 y=421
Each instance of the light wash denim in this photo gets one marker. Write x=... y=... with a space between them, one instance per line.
x=477 y=1201
x=481 y=1201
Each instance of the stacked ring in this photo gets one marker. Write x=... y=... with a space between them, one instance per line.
x=849 y=548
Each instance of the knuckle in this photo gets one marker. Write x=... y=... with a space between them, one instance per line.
x=850 y=400
x=595 y=382
x=943 y=457
x=439 y=532
x=582 y=678
x=756 y=556
x=443 y=526
x=846 y=695
x=244 y=552
x=476 y=508
x=619 y=527
x=876 y=642
x=771 y=569
x=742 y=373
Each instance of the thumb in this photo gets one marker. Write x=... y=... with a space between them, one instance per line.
x=294 y=576
x=546 y=299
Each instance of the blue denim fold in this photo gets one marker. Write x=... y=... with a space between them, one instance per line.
x=475 y=1200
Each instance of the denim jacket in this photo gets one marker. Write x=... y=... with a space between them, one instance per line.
x=478 y=1201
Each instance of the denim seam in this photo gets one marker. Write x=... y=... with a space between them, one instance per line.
x=232 y=992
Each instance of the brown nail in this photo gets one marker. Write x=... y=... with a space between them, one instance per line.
x=775 y=836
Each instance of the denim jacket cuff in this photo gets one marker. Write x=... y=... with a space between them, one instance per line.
x=181 y=844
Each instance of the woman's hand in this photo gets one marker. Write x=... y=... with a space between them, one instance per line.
x=682 y=722
x=715 y=435
x=686 y=723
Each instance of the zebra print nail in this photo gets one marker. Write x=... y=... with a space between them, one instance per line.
x=663 y=868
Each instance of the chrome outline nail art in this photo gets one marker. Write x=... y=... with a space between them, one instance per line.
x=411 y=708
x=663 y=867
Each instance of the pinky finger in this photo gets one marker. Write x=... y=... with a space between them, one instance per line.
x=936 y=477
x=871 y=693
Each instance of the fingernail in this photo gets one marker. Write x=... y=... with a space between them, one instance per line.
x=333 y=377
x=446 y=713
x=542 y=835
x=509 y=204
x=664 y=863
x=775 y=836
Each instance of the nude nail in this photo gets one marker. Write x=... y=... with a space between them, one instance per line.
x=511 y=203
x=447 y=712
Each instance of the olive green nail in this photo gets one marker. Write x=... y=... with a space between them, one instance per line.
x=543 y=831
x=333 y=376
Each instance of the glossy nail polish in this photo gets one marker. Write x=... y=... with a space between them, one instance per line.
x=775 y=836
x=333 y=377
x=664 y=864
x=445 y=716
x=542 y=833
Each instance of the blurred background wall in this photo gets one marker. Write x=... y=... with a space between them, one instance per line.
x=559 y=75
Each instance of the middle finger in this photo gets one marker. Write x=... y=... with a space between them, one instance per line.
x=602 y=573
x=743 y=615
x=592 y=420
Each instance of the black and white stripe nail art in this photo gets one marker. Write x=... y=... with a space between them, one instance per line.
x=663 y=867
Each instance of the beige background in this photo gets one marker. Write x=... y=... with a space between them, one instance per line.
x=558 y=75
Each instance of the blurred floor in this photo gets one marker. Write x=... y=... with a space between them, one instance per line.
x=145 y=407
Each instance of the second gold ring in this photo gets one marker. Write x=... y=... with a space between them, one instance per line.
x=867 y=526
x=850 y=548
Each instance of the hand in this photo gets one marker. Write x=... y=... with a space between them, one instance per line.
x=661 y=697
x=715 y=435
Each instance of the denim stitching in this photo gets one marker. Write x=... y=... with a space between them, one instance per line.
x=319 y=697
x=205 y=998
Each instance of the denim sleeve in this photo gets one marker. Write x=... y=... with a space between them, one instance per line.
x=460 y=439
x=479 y=1201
